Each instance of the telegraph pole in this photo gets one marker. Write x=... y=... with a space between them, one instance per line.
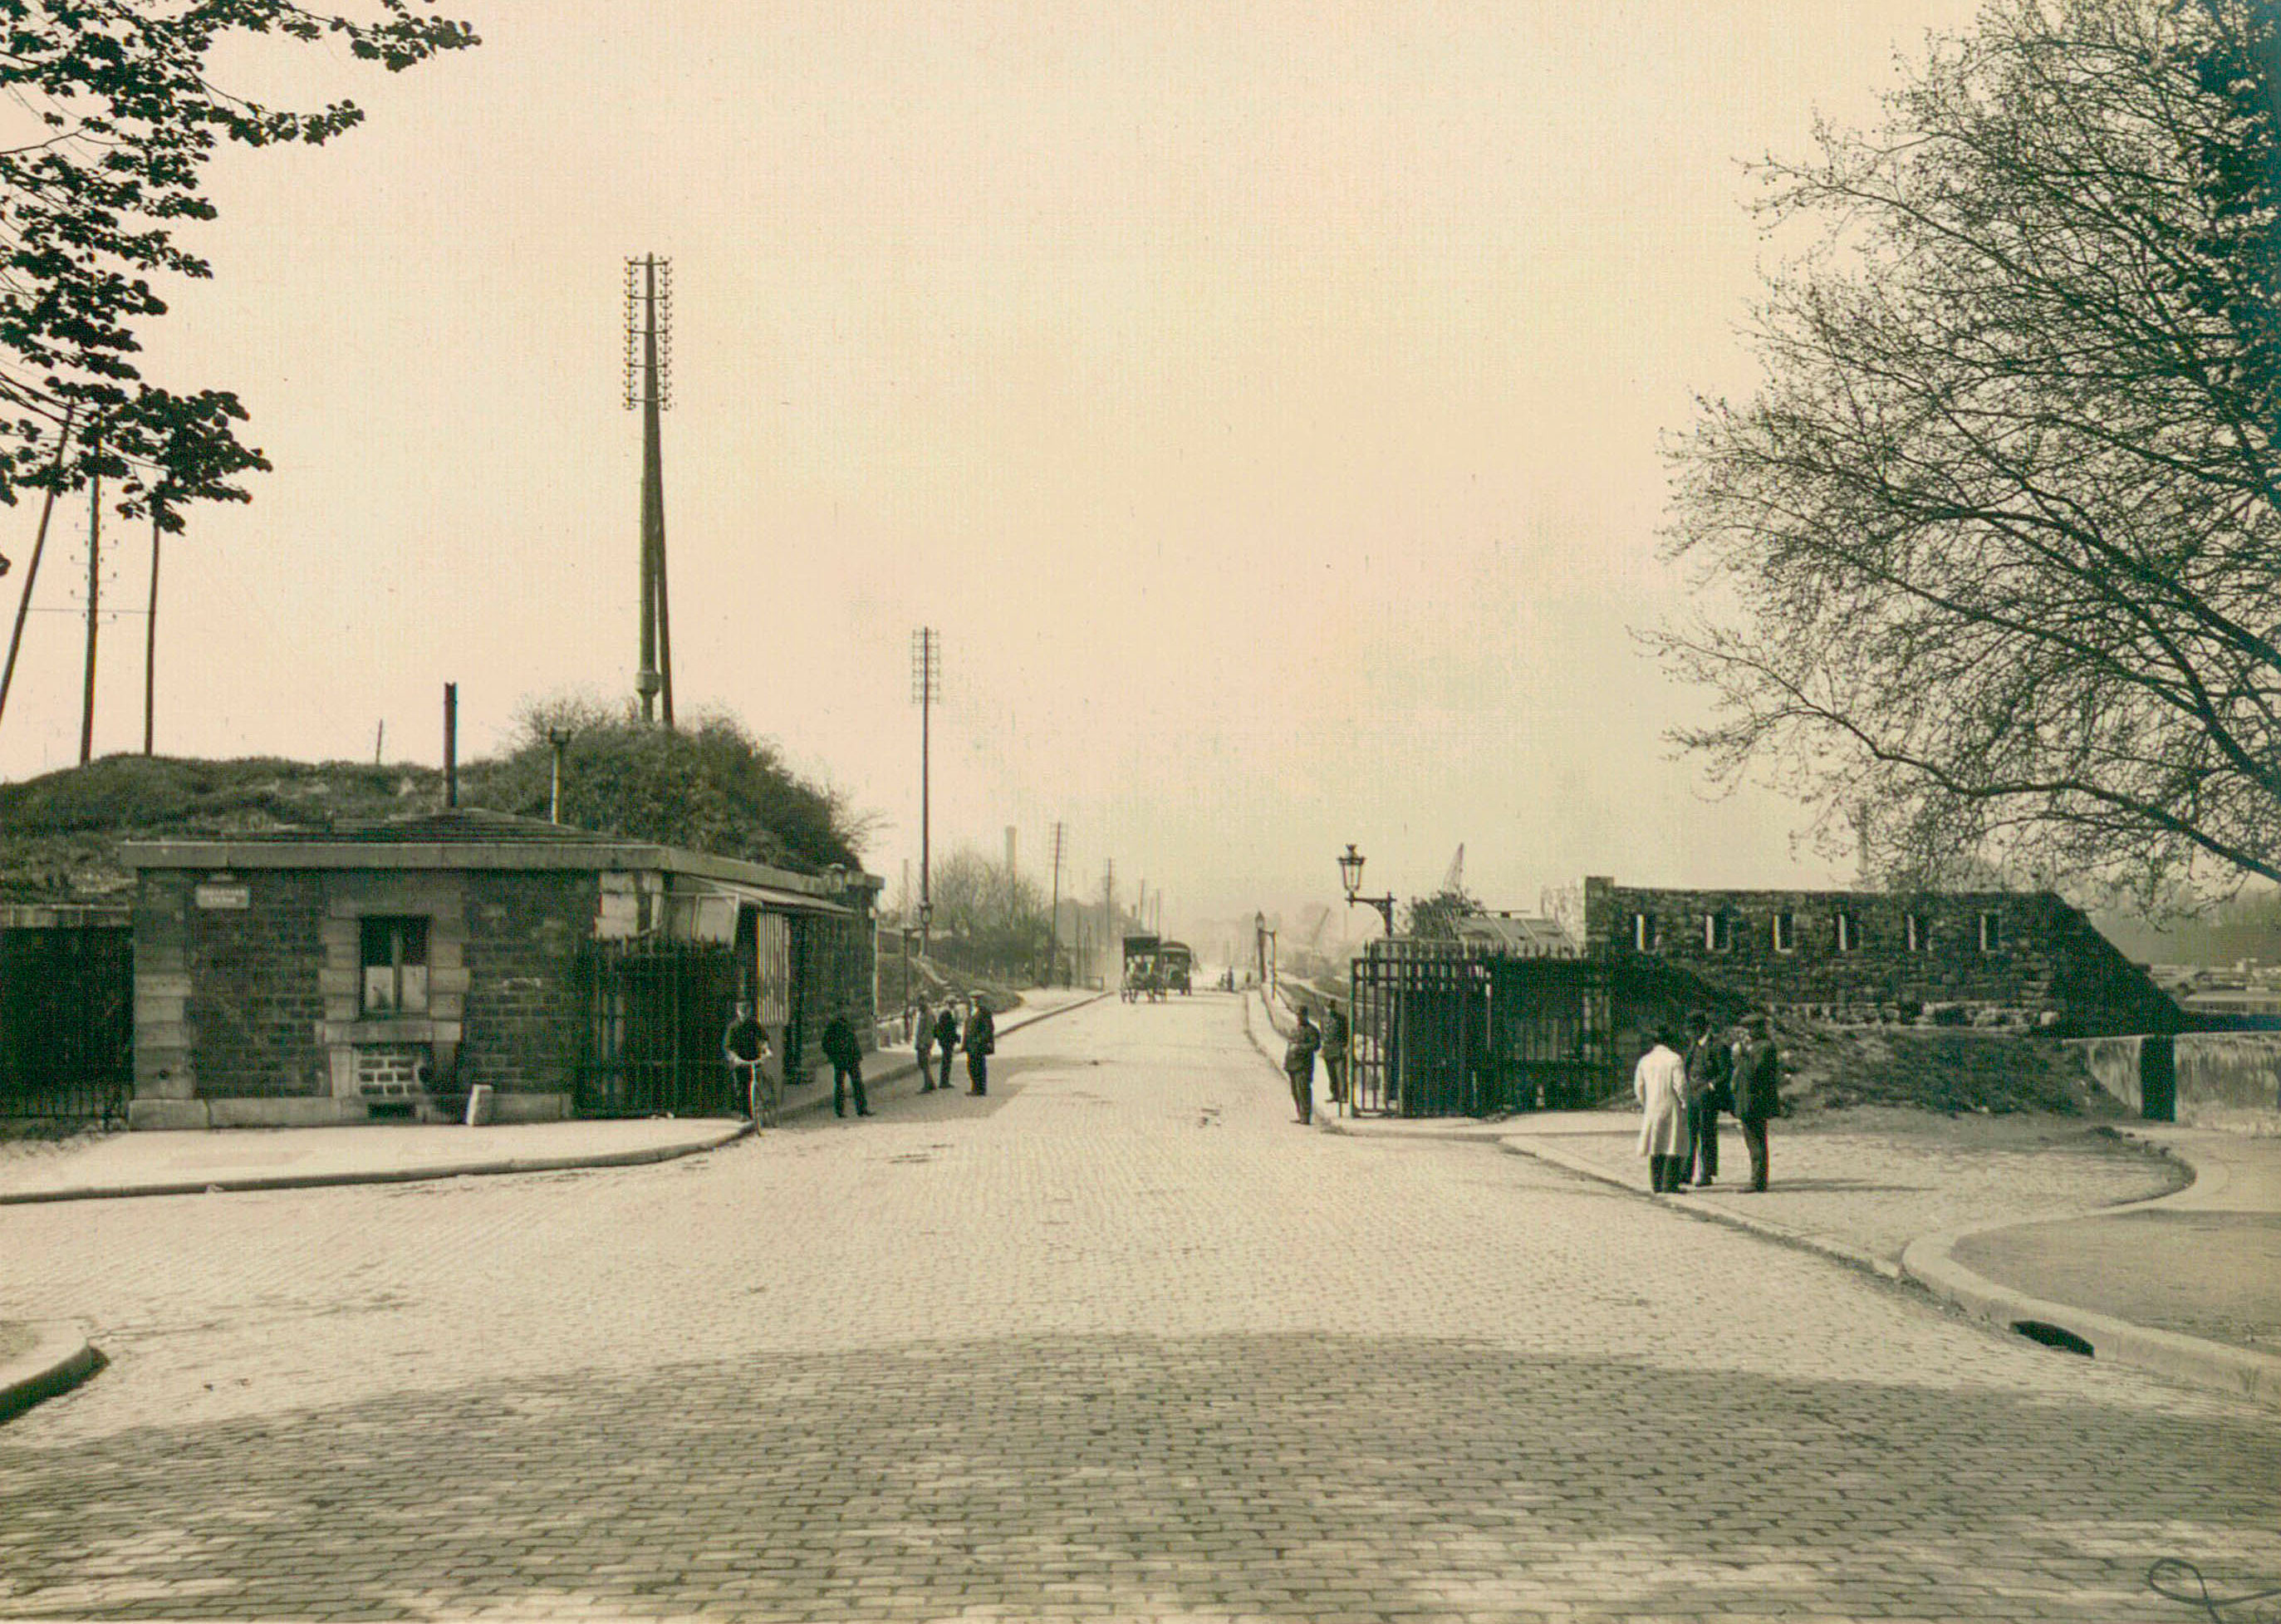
x=926 y=688
x=1054 y=918
x=39 y=545
x=649 y=385
x=150 y=640
x=94 y=596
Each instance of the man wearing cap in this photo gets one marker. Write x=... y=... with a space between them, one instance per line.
x=1758 y=1092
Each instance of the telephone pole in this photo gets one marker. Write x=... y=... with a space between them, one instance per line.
x=649 y=385
x=94 y=597
x=1054 y=918
x=151 y=640
x=926 y=688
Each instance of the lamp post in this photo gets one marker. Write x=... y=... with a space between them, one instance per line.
x=1350 y=874
x=1259 y=944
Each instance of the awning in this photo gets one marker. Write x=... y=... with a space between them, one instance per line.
x=767 y=896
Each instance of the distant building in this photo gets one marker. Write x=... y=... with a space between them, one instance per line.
x=301 y=979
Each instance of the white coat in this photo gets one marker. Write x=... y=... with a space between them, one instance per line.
x=1660 y=1083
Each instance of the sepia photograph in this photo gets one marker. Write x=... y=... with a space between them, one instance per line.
x=1207 y=811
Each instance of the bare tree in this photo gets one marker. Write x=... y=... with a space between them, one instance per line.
x=1989 y=573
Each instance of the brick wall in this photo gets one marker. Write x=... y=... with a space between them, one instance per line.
x=2045 y=961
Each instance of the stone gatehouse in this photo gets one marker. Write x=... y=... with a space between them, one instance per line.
x=303 y=978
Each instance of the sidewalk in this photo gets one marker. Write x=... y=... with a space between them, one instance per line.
x=198 y=1161
x=2150 y=1245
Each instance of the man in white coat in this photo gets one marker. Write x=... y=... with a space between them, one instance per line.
x=1659 y=1083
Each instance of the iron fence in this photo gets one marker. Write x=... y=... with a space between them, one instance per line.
x=655 y=1014
x=1444 y=1029
x=66 y=1022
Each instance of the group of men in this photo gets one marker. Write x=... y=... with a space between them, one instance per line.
x=745 y=1047
x=1308 y=1040
x=1681 y=1095
x=930 y=1032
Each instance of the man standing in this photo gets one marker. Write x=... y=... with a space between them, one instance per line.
x=1299 y=1065
x=1710 y=1075
x=1334 y=1052
x=846 y=1057
x=946 y=1037
x=1758 y=1092
x=981 y=1039
x=745 y=1046
x=923 y=1040
x=1658 y=1083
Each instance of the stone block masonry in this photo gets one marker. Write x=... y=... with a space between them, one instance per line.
x=1995 y=957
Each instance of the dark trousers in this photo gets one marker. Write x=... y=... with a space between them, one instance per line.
x=843 y=1077
x=978 y=1072
x=1302 y=1092
x=1703 y=1123
x=1754 y=1141
x=1664 y=1172
x=926 y=1065
x=1335 y=1068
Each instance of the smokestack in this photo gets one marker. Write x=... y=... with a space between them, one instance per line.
x=451 y=744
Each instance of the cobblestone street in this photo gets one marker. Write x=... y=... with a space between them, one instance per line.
x=1119 y=1341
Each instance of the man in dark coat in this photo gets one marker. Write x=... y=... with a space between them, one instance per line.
x=981 y=1039
x=1299 y=1065
x=946 y=1037
x=846 y=1057
x=1758 y=1092
x=1710 y=1072
x=745 y=1046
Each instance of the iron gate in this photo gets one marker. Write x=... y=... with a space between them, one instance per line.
x=1444 y=1029
x=66 y=1021
x=656 y=1015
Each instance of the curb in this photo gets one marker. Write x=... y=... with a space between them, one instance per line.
x=1927 y=1263
x=909 y=1066
x=59 y=1359
x=2237 y=1371
x=729 y=1132
x=1836 y=1251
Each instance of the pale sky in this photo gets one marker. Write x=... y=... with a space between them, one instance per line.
x=1262 y=401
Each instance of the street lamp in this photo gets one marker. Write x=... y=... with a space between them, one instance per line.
x=1350 y=873
x=1259 y=944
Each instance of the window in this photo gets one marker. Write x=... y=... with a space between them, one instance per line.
x=1785 y=932
x=1718 y=932
x=1848 y=933
x=395 y=956
x=1992 y=934
x=1916 y=933
x=1643 y=932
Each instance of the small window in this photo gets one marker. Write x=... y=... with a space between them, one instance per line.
x=1848 y=933
x=1917 y=933
x=1785 y=932
x=1992 y=934
x=1643 y=932
x=395 y=955
x=1718 y=932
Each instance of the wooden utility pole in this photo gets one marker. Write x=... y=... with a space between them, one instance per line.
x=94 y=599
x=451 y=744
x=32 y=569
x=649 y=385
x=926 y=688
x=151 y=640
x=1054 y=918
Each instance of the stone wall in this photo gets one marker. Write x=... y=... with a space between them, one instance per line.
x=248 y=992
x=1976 y=957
